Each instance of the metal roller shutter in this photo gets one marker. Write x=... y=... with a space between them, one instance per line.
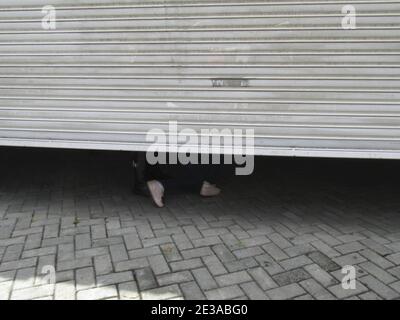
x=112 y=70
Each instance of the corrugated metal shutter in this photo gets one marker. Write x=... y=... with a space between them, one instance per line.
x=112 y=70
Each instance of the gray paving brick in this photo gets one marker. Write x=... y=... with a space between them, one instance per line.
x=182 y=241
x=316 y=290
x=299 y=250
x=339 y=292
x=82 y=241
x=287 y=292
x=349 y=259
x=191 y=291
x=24 y=278
x=269 y=264
x=18 y=264
x=214 y=265
x=133 y=264
x=296 y=262
x=74 y=264
x=196 y=253
x=379 y=287
x=369 y=296
x=12 y=252
x=114 y=278
x=279 y=241
x=303 y=239
x=158 y=264
x=223 y=253
x=85 y=278
x=98 y=293
x=292 y=276
x=32 y=292
x=5 y=289
x=51 y=231
x=156 y=241
x=27 y=231
x=65 y=252
x=7 y=276
x=175 y=277
x=118 y=252
x=325 y=249
x=204 y=279
x=395 y=286
x=320 y=275
x=226 y=293
x=162 y=293
x=376 y=259
x=145 y=279
x=350 y=247
x=65 y=291
x=10 y=241
x=242 y=264
x=145 y=252
x=208 y=241
x=103 y=265
x=128 y=291
x=323 y=261
x=395 y=258
x=253 y=291
x=233 y=278
x=186 y=264
x=262 y=278
x=377 y=272
x=170 y=252
x=275 y=252
x=248 y=252
x=39 y=252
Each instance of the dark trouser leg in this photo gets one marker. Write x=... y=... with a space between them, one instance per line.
x=189 y=177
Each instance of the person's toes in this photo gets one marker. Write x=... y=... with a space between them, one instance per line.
x=209 y=190
x=157 y=192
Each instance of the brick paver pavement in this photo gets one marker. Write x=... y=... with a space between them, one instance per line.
x=283 y=233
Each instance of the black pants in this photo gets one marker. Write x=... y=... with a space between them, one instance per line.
x=188 y=177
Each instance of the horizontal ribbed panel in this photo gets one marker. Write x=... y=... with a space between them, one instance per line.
x=113 y=70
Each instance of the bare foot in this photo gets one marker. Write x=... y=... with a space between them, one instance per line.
x=209 y=190
x=157 y=192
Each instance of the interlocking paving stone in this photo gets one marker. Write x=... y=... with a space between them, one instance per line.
x=145 y=278
x=162 y=293
x=253 y=291
x=204 y=279
x=33 y=292
x=342 y=293
x=128 y=291
x=98 y=293
x=225 y=293
x=262 y=278
x=65 y=291
x=379 y=287
x=286 y=292
x=85 y=278
x=323 y=261
x=286 y=239
x=191 y=291
x=114 y=278
x=292 y=276
x=316 y=290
